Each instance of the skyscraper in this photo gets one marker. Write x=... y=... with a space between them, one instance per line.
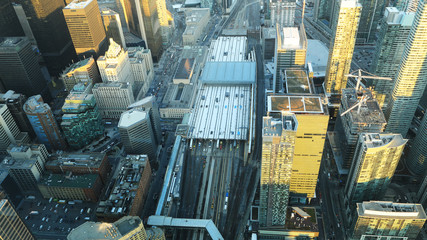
x=141 y=64
x=115 y=65
x=367 y=118
x=15 y=102
x=282 y=12
x=375 y=160
x=9 y=22
x=390 y=45
x=19 y=68
x=416 y=160
x=11 y=226
x=113 y=98
x=44 y=123
x=81 y=121
x=113 y=26
x=390 y=220
x=291 y=51
x=166 y=21
x=371 y=14
x=152 y=27
x=9 y=131
x=278 y=144
x=133 y=15
x=407 y=5
x=84 y=71
x=50 y=31
x=411 y=79
x=149 y=105
x=85 y=26
x=342 y=46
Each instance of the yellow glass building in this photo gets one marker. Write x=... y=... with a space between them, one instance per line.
x=278 y=142
x=388 y=220
x=375 y=160
x=85 y=26
x=342 y=46
x=11 y=226
x=313 y=118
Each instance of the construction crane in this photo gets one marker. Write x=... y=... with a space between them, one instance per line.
x=362 y=100
x=359 y=77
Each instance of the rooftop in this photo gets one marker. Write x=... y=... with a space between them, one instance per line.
x=193 y=15
x=307 y=222
x=296 y=104
x=10 y=95
x=276 y=126
x=81 y=65
x=317 y=55
x=374 y=140
x=11 y=42
x=132 y=117
x=185 y=68
x=228 y=49
x=69 y=181
x=370 y=112
x=179 y=96
x=78 y=4
x=292 y=38
x=297 y=81
x=379 y=209
x=92 y=160
x=122 y=195
x=36 y=105
x=226 y=73
x=112 y=85
x=221 y=112
x=107 y=11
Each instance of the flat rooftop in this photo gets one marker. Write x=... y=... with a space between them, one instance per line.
x=77 y=65
x=221 y=112
x=370 y=112
x=11 y=42
x=380 y=209
x=296 y=104
x=35 y=105
x=112 y=85
x=291 y=38
x=92 y=160
x=294 y=221
x=179 y=96
x=78 y=4
x=74 y=181
x=374 y=140
x=228 y=49
x=131 y=117
x=317 y=55
x=275 y=126
x=297 y=81
x=229 y=73
x=185 y=68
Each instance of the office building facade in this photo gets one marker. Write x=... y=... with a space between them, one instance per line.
x=113 y=26
x=375 y=160
x=416 y=160
x=84 y=71
x=282 y=13
x=11 y=225
x=342 y=46
x=133 y=15
x=112 y=98
x=153 y=33
x=9 y=131
x=167 y=24
x=81 y=122
x=390 y=220
x=19 y=68
x=390 y=45
x=370 y=15
x=9 y=22
x=15 y=103
x=278 y=144
x=115 y=65
x=85 y=26
x=44 y=123
x=411 y=79
x=141 y=64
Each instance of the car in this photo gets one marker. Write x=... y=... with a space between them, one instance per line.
x=61 y=220
x=48 y=228
x=69 y=229
x=47 y=219
x=43 y=219
x=26 y=217
x=77 y=218
x=41 y=227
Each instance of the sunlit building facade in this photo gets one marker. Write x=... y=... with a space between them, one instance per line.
x=113 y=26
x=11 y=226
x=375 y=160
x=278 y=144
x=342 y=46
x=411 y=78
x=84 y=71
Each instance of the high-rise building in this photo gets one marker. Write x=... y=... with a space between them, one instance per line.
x=370 y=15
x=375 y=160
x=22 y=17
x=390 y=45
x=126 y=228
x=166 y=21
x=368 y=118
x=115 y=65
x=9 y=131
x=9 y=188
x=411 y=79
x=19 y=68
x=313 y=118
x=278 y=144
x=421 y=196
x=44 y=123
x=25 y=164
x=112 y=98
x=15 y=103
x=85 y=26
x=416 y=160
x=407 y=5
x=9 y=22
x=153 y=33
x=149 y=105
x=133 y=15
x=137 y=133
x=291 y=51
x=282 y=13
x=342 y=46
x=11 y=226
x=376 y=220
x=84 y=71
x=113 y=26
x=141 y=64
x=81 y=121
x=50 y=31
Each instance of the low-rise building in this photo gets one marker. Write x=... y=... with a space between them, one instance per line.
x=196 y=20
x=84 y=71
x=127 y=195
x=80 y=163
x=86 y=187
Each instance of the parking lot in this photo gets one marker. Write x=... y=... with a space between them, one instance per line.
x=54 y=219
